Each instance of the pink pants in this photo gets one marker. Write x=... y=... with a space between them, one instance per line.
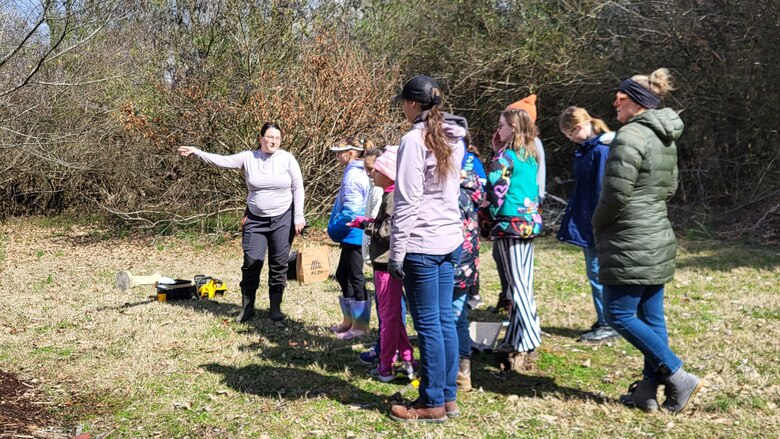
x=392 y=333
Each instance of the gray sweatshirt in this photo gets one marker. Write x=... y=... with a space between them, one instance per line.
x=427 y=217
x=274 y=180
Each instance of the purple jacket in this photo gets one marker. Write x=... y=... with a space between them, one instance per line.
x=427 y=218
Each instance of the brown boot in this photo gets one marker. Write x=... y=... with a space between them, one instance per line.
x=464 y=375
x=516 y=361
x=523 y=361
x=418 y=413
x=451 y=409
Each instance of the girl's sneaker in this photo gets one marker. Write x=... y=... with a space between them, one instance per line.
x=474 y=301
x=369 y=357
x=407 y=368
x=381 y=374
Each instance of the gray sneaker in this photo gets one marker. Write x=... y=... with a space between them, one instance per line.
x=680 y=389
x=598 y=334
x=641 y=395
x=407 y=368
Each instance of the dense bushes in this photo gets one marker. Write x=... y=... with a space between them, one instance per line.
x=97 y=126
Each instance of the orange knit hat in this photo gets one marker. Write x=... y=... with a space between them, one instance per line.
x=528 y=104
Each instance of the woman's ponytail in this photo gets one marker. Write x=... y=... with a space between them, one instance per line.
x=599 y=126
x=573 y=116
x=436 y=141
x=659 y=82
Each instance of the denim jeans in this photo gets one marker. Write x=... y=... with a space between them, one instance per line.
x=637 y=313
x=429 y=282
x=460 y=310
x=596 y=289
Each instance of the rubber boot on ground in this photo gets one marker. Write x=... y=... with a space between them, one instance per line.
x=346 y=312
x=275 y=294
x=247 y=305
x=361 y=315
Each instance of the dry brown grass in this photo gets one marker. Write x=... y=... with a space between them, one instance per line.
x=113 y=361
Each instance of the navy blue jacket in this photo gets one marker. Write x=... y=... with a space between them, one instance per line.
x=589 y=161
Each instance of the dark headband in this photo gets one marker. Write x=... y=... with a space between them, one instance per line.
x=639 y=94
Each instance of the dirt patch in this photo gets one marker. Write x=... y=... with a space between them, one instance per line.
x=22 y=410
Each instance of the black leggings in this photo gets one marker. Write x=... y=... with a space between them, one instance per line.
x=349 y=274
x=259 y=234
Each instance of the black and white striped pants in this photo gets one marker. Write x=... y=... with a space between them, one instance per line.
x=517 y=259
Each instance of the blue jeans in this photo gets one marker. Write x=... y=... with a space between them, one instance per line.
x=378 y=345
x=460 y=310
x=596 y=289
x=429 y=282
x=637 y=313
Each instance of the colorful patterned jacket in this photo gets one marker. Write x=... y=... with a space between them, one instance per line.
x=471 y=197
x=513 y=198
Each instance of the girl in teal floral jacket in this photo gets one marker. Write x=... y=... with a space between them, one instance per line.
x=511 y=218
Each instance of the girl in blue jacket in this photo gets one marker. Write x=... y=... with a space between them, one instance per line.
x=592 y=137
x=351 y=203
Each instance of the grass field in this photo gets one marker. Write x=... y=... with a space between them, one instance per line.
x=119 y=364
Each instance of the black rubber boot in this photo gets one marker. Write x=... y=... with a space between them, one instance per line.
x=275 y=297
x=247 y=306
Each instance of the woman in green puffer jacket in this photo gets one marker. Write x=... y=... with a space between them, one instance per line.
x=635 y=242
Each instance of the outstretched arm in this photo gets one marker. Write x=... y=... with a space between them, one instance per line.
x=234 y=161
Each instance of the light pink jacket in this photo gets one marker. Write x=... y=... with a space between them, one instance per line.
x=427 y=217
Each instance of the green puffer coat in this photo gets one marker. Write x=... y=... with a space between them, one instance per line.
x=634 y=238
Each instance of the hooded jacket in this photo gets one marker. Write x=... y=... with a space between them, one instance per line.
x=427 y=217
x=634 y=238
x=350 y=202
x=590 y=158
x=379 y=231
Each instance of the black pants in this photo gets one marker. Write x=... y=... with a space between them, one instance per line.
x=349 y=273
x=259 y=234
